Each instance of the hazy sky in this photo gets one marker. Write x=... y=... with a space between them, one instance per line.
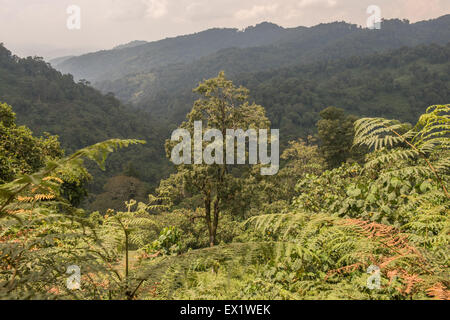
x=39 y=27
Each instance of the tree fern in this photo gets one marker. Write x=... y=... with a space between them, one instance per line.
x=429 y=137
x=41 y=233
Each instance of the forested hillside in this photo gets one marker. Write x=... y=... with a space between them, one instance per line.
x=47 y=101
x=269 y=163
x=298 y=46
x=378 y=229
x=143 y=57
x=398 y=84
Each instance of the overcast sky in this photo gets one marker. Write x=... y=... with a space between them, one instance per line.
x=39 y=27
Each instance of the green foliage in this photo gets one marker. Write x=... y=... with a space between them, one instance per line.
x=428 y=140
x=20 y=152
x=343 y=221
x=48 y=101
x=168 y=242
x=295 y=84
x=222 y=106
x=41 y=234
x=193 y=229
x=301 y=159
x=307 y=233
x=117 y=191
x=398 y=85
x=336 y=137
x=148 y=78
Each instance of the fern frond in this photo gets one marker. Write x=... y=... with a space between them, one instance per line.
x=392 y=156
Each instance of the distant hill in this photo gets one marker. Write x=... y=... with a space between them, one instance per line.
x=114 y=64
x=393 y=72
x=397 y=84
x=131 y=44
x=56 y=61
x=325 y=42
x=47 y=101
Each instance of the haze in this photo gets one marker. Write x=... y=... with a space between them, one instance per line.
x=38 y=27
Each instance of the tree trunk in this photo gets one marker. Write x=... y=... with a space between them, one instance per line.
x=208 y=220
x=216 y=220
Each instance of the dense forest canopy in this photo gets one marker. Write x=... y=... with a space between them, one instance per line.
x=359 y=208
x=298 y=46
x=398 y=84
x=389 y=214
x=263 y=46
x=47 y=101
x=142 y=56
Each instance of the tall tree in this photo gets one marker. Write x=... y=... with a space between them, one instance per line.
x=20 y=151
x=222 y=106
x=336 y=134
x=23 y=153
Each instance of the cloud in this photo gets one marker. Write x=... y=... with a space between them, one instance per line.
x=156 y=8
x=286 y=10
x=205 y=10
x=107 y=23
x=120 y=10
x=317 y=3
x=419 y=9
x=256 y=11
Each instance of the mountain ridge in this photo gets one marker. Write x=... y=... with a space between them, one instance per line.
x=106 y=65
x=185 y=48
x=322 y=43
x=47 y=101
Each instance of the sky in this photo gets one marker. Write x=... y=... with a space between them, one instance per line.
x=40 y=27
